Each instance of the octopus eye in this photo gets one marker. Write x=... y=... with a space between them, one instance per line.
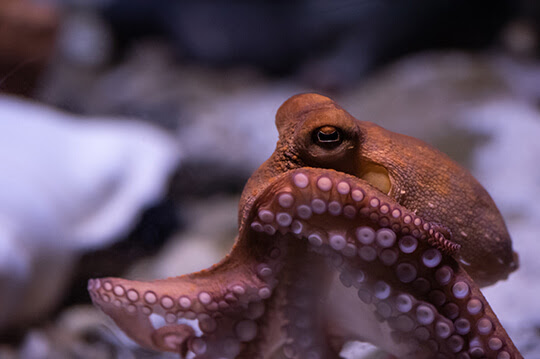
x=328 y=135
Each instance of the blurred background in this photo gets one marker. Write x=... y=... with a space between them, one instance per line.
x=129 y=127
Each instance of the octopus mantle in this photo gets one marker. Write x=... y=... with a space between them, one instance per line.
x=327 y=254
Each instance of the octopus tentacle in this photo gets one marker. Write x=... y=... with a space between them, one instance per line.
x=364 y=200
x=400 y=265
x=210 y=314
x=303 y=327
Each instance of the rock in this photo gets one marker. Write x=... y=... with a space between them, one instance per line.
x=237 y=129
x=69 y=185
x=421 y=95
x=28 y=32
x=83 y=40
x=506 y=163
x=80 y=332
x=355 y=350
x=209 y=236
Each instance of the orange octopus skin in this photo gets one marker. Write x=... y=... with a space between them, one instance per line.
x=347 y=232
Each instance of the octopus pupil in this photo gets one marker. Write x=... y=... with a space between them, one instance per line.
x=328 y=137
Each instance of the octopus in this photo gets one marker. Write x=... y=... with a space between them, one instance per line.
x=348 y=232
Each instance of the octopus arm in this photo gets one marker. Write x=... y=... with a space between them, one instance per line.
x=209 y=314
x=400 y=267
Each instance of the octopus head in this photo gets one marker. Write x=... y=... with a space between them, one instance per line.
x=316 y=132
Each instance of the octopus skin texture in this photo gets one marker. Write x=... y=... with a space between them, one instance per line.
x=347 y=232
